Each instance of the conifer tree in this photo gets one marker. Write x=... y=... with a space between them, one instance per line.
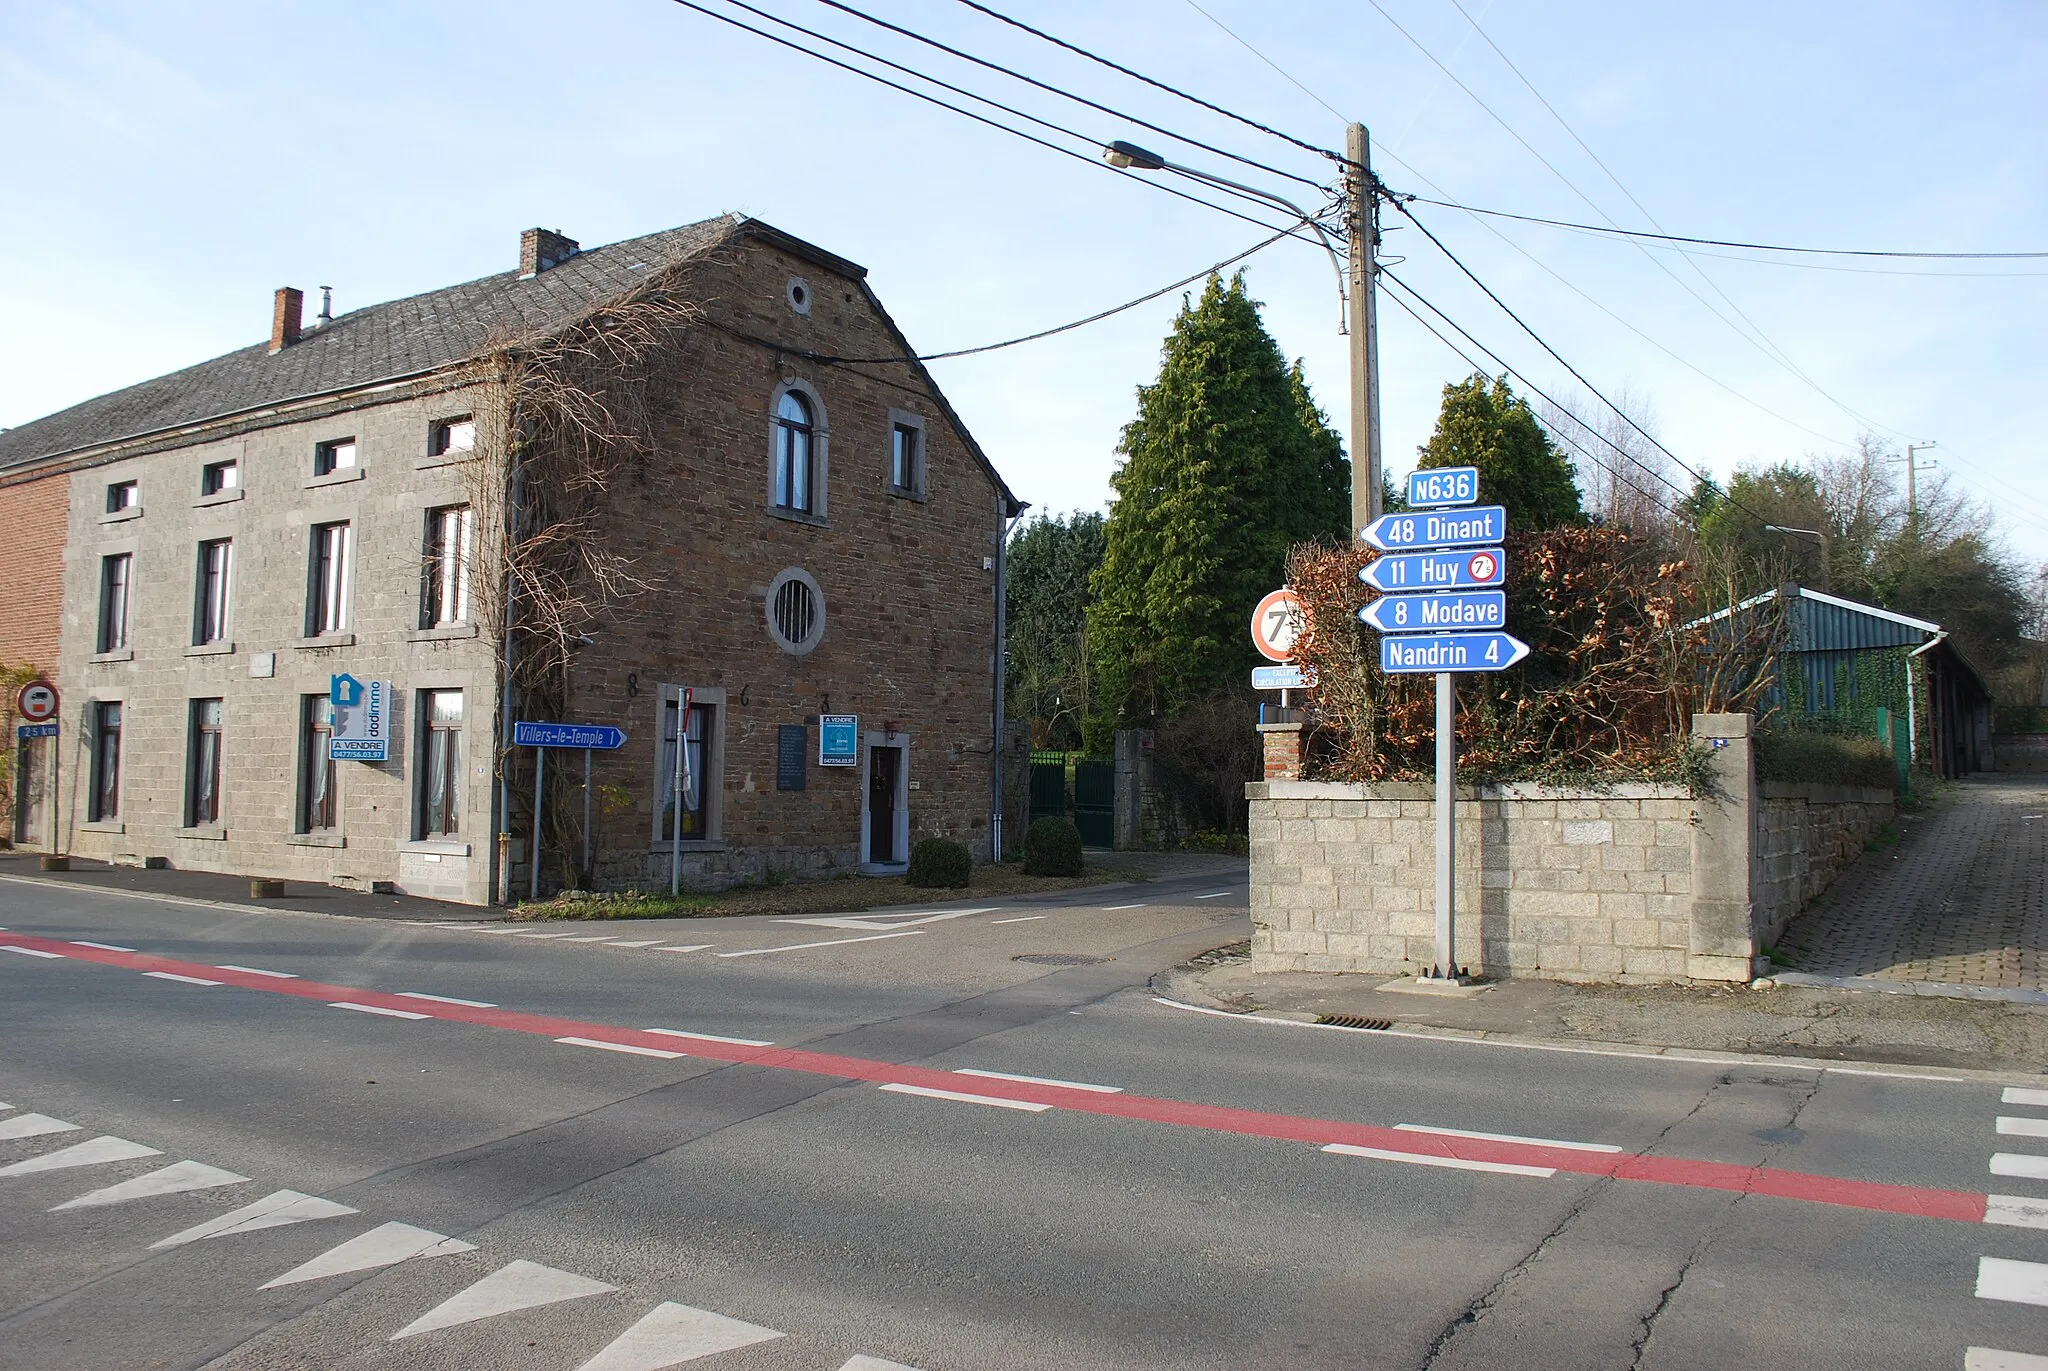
x=1228 y=464
x=1485 y=424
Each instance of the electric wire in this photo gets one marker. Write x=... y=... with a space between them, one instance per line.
x=1284 y=73
x=964 y=56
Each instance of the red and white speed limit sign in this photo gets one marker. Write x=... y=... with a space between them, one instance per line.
x=1277 y=623
x=37 y=702
x=1483 y=567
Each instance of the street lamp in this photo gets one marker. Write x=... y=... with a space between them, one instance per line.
x=1817 y=536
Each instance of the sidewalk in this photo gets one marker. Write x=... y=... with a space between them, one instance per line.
x=305 y=897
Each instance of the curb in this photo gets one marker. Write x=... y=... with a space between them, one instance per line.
x=1933 y=989
x=195 y=901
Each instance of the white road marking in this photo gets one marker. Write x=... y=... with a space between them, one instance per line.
x=2020 y=1282
x=2017 y=1211
x=520 y=1285
x=1023 y=919
x=446 y=999
x=710 y=1037
x=620 y=1047
x=92 y=1152
x=635 y=942
x=2016 y=1094
x=104 y=947
x=258 y=971
x=890 y=919
x=1507 y=1138
x=376 y=1009
x=1112 y=908
x=1213 y=895
x=1991 y=1359
x=671 y=1334
x=873 y=1364
x=693 y=947
x=34 y=1126
x=274 y=1210
x=588 y=938
x=169 y=1180
x=1039 y=1080
x=386 y=1245
x=2022 y=1128
x=1425 y=1159
x=965 y=1098
x=2024 y=1164
x=834 y=942
x=31 y=952
x=540 y=935
x=182 y=980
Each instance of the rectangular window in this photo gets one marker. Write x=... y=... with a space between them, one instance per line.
x=327 y=584
x=114 y=578
x=906 y=458
x=202 y=779
x=444 y=571
x=210 y=614
x=440 y=763
x=694 y=787
x=123 y=495
x=104 y=803
x=319 y=806
x=216 y=477
x=338 y=454
x=452 y=436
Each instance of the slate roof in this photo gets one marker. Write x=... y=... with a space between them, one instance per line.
x=399 y=338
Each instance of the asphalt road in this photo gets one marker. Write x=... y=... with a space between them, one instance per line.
x=389 y=1156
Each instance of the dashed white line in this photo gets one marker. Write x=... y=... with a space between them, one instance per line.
x=1039 y=1080
x=1991 y=1359
x=2016 y=1211
x=965 y=1098
x=620 y=1047
x=1213 y=895
x=692 y=947
x=709 y=1037
x=258 y=971
x=830 y=942
x=376 y=1009
x=587 y=938
x=446 y=999
x=31 y=951
x=116 y=947
x=2016 y=1094
x=2018 y=1282
x=540 y=935
x=1112 y=908
x=182 y=980
x=1506 y=1138
x=1023 y=919
x=2023 y=1164
x=1453 y=1163
x=636 y=942
x=2022 y=1127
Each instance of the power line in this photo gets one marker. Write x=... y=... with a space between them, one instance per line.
x=1284 y=73
x=1615 y=232
x=1157 y=85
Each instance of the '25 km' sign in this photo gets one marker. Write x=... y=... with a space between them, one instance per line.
x=1277 y=624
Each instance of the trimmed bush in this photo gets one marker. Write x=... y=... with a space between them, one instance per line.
x=940 y=862
x=1052 y=847
x=1799 y=754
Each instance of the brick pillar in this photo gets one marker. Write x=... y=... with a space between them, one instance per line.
x=1283 y=751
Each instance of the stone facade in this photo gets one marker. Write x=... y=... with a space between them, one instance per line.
x=1630 y=883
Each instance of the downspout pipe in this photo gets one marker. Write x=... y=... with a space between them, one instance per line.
x=1007 y=513
x=501 y=817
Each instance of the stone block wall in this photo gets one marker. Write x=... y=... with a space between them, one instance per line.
x=1806 y=834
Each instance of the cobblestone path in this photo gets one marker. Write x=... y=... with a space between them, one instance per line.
x=1963 y=898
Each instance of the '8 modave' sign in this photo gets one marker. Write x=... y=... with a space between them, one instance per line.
x=362 y=720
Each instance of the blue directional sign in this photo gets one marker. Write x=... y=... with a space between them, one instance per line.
x=1437 y=528
x=603 y=737
x=1443 y=486
x=344 y=691
x=1485 y=566
x=1432 y=652
x=1437 y=613
x=27 y=731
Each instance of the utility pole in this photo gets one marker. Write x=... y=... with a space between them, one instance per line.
x=1362 y=220
x=1912 y=481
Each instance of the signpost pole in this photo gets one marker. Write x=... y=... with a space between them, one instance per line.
x=1446 y=810
x=540 y=775
x=679 y=777
x=585 y=873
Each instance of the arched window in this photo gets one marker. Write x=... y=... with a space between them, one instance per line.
x=794 y=467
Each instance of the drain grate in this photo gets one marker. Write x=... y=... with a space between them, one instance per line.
x=1060 y=958
x=1352 y=1021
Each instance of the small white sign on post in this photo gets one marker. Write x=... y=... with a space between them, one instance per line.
x=362 y=720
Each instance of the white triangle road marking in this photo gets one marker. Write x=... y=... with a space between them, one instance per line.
x=874 y=922
x=34 y=1126
x=386 y=1245
x=92 y=1152
x=169 y=1180
x=865 y=1363
x=671 y=1334
x=519 y=1285
x=274 y=1210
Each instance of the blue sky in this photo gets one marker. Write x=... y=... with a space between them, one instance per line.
x=169 y=165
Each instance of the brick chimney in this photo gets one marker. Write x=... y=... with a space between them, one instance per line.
x=540 y=249
x=286 y=317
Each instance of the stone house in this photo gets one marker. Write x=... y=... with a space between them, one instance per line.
x=694 y=483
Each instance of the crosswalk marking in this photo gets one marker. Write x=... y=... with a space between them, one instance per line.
x=385 y=1245
x=446 y=999
x=965 y=1098
x=2022 y=1127
x=274 y=1210
x=2019 y=1164
x=2016 y=1210
x=2019 y=1094
x=104 y=947
x=2019 y=1282
x=1428 y=1159
x=620 y=1047
x=182 y=980
x=376 y=1009
x=168 y=1180
x=518 y=1285
x=31 y=952
x=1039 y=1080
x=710 y=1037
x=258 y=971
x=1991 y=1359
x=1505 y=1137
x=34 y=1126
x=671 y=1334
x=92 y=1152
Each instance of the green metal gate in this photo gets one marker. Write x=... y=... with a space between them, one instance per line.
x=1095 y=803
x=1048 y=788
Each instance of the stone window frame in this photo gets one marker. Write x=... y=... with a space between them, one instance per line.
x=819 y=514
x=711 y=784
x=95 y=712
x=104 y=647
x=799 y=295
x=795 y=647
x=906 y=419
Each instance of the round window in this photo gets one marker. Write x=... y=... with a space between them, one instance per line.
x=796 y=611
x=799 y=295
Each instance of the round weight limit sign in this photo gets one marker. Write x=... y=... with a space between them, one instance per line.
x=1277 y=625
x=37 y=701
